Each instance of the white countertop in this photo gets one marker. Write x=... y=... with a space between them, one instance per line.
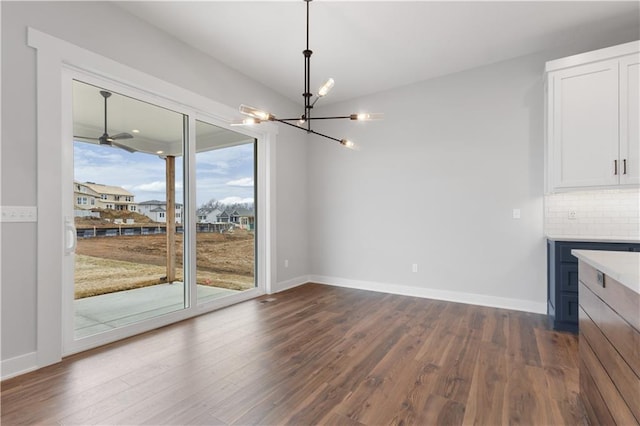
x=622 y=266
x=589 y=239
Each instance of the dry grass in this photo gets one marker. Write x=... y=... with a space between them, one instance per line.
x=95 y=275
x=109 y=264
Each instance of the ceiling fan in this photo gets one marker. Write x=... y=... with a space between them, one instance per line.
x=105 y=139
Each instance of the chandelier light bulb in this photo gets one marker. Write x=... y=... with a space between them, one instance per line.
x=326 y=87
x=255 y=113
x=249 y=121
x=366 y=116
x=347 y=144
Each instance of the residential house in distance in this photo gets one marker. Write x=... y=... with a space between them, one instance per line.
x=84 y=197
x=243 y=218
x=90 y=195
x=225 y=216
x=240 y=217
x=206 y=215
x=157 y=210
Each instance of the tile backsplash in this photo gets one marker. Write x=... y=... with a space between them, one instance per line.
x=610 y=214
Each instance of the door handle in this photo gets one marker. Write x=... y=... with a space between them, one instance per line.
x=624 y=166
x=615 y=167
x=70 y=236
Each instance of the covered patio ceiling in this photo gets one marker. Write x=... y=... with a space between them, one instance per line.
x=155 y=130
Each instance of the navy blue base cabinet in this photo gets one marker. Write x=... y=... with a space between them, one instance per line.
x=562 y=279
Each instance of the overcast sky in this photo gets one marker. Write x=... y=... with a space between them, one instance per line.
x=224 y=174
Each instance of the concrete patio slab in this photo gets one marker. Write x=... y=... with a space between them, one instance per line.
x=108 y=311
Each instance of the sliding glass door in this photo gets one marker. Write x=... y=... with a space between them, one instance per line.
x=128 y=210
x=163 y=214
x=226 y=212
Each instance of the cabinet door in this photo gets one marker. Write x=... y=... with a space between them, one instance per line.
x=629 y=117
x=584 y=125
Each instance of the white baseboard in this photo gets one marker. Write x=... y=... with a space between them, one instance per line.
x=430 y=293
x=19 y=365
x=293 y=282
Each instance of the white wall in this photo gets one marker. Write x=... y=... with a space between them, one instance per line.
x=436 y=183
x=291 y=209
x=138 y=45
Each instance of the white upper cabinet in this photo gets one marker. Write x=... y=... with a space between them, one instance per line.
x=629 y=122
x=592 y=118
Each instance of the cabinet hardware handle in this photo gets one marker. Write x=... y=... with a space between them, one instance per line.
x=624 y=166
x=615 y=167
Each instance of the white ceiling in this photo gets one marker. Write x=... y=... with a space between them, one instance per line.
x=369 y=47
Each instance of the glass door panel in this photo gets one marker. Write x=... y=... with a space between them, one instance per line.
x=128 y=210
x=226 y=207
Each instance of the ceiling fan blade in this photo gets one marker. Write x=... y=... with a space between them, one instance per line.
x=85 y=137
x=121 y=136
x=126 y=148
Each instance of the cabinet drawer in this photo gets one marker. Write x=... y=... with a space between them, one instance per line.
x=569 y=277
x=624 y=301
x=569 y=307
x=625 y=379
x=614 y=402
x=619 y=332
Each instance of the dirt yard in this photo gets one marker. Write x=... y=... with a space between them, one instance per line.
x=108 y=264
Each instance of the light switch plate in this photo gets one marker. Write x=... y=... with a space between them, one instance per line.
x=18 y=214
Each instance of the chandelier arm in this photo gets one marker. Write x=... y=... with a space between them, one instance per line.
x=325 y=136
x=308 y=131
x=315 y=118
x=332 y=118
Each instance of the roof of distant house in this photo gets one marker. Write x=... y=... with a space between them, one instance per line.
x=156 y=203
x=106 y=189
x=243 y=212
x=207 y=210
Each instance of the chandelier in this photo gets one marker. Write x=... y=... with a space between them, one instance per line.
x=256 y=116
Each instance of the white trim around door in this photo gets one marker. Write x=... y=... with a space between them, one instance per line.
x=58 y=62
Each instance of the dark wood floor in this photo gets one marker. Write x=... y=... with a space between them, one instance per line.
x=317 y=355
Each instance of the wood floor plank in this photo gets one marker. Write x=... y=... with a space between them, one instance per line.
x=521 y=344
x=438 y=410
x=457 y=372
x=486 y=395
x=317 y=354
x=352 y=374
x=378 y=392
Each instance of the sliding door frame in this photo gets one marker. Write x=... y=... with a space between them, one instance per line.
x=58 y=63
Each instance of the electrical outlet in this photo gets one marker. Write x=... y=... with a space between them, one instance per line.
x=414 y=267
x=286 y=263
x=516 y=213
x=572 y=215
